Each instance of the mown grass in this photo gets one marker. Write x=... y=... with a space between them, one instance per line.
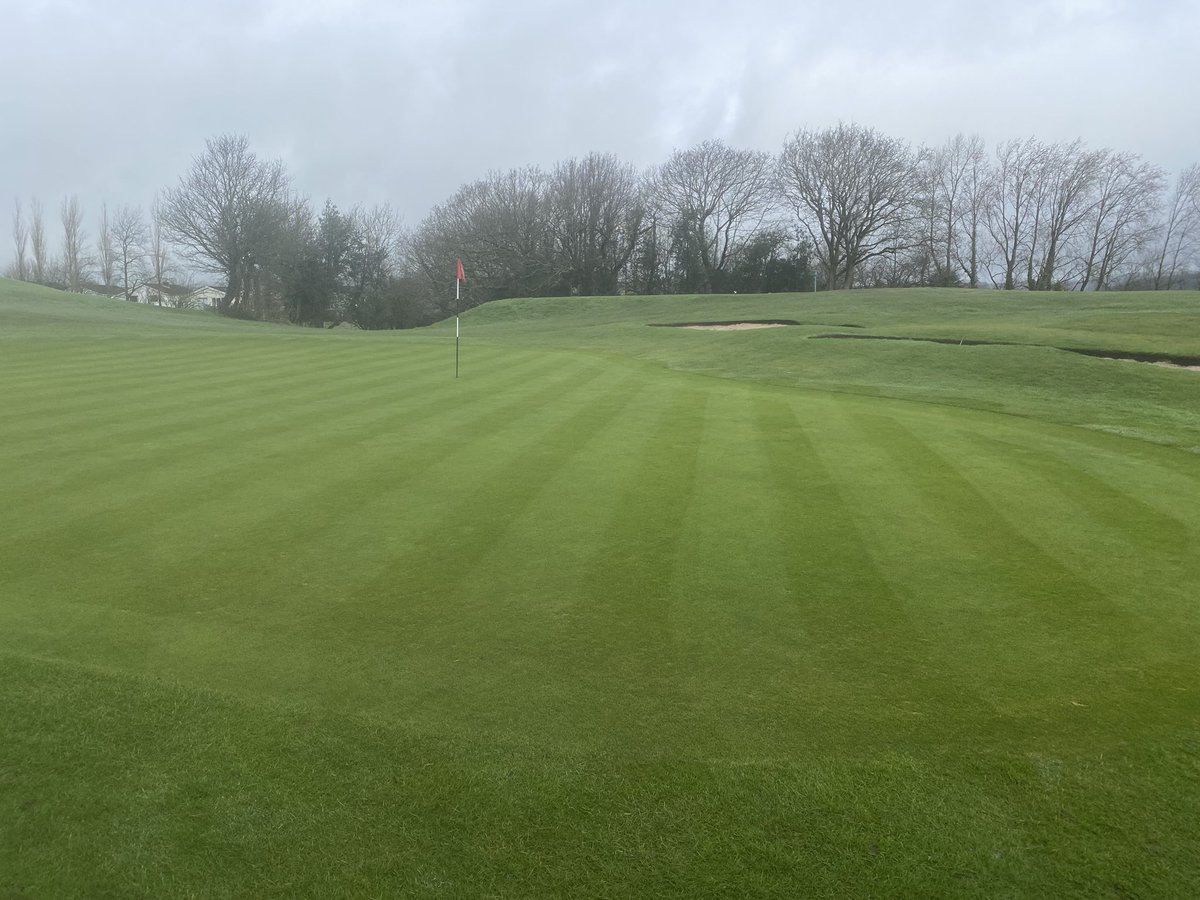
x=621 y=611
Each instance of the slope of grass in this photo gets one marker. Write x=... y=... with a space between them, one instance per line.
x=1032 y=378
x=290 y=612
x=1166 y=322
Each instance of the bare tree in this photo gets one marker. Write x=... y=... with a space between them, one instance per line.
x=955 y=177
x=1070 y=173
x=377 y=236
x=1179 y=229
x=105 y=253
x=37 y=241
x=20 y=241
x=647 y=273
x=1013 y=194
x=1128 y=193
x=852 y=189
x=74 y=261
x=930 y=243
x=595 y=210
x=970 y=157
x=225 y=214
x=156 y=251
x=951 y=172
x=129 y=235
x=498 y=226
x=718 y=197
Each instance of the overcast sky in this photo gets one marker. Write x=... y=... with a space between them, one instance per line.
x=370 y=101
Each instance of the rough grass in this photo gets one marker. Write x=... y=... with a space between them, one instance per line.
x=290 y=612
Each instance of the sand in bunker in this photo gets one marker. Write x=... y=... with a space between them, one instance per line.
x=1163 y=365
x=737 y=326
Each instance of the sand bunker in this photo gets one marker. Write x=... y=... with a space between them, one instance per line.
x=737 y=326
x=742 y=325
x=1189 y=363
x=1167 y=365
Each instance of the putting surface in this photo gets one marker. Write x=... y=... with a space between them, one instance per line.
x=291 y=612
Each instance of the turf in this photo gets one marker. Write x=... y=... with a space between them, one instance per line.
x=621 y=611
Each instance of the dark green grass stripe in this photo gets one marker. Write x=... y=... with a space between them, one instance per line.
x=373 y=631
x=91 y=407
x=969 y=582
x=213 y=607
x=1158 y=524
x=740 y=672
x=277 y=378
x=1136 y=546
x=983 y=520
x=38 y=369
x=420 y=422
x=456 y=447
x=496 y=584
x=441 y=629
x=855 y=623
x=199 y=420
x=234 y=371
x=223 y=425
x=121 y=418
x=614 y=632
x=214 y=476
x=229 y=428
x=1051 y=630
x=137 y=368
x=966 y=535
x=325 y=465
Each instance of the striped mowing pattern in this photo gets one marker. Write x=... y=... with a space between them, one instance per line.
x=391 y=535
x=708 y=631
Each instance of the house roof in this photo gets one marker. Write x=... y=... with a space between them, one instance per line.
x=165 y=288
x=104 y=290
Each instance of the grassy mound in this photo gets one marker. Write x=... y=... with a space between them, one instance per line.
x=622 y=610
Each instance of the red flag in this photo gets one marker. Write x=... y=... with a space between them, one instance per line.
x=462 y=276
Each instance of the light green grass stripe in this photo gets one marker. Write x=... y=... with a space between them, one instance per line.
x=257 y=561
x=40 y=373
x=1144 y=558
x=452 y=644
x=1025 y=581
x=1135 y=512
x=855 y=626
x=198 y=417
x=223 y=478
x=271 y=378
x=749 y=681
x=223 y=438
x=139 y=366
x=969 y=581
x=1051 y=642
x=609 y=633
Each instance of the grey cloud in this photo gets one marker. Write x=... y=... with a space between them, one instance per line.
x=373 y=101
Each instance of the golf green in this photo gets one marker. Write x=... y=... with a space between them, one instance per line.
x=620 y=611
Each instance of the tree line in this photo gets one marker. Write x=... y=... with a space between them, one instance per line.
x=129 y=250
x=840 y=207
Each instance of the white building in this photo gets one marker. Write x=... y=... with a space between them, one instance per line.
x=206 y=297
x=177 y=295
x=164 y=294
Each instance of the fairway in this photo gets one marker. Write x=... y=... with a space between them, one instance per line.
x=621 y=611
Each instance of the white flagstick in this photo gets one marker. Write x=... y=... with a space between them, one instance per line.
x=457 y=289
